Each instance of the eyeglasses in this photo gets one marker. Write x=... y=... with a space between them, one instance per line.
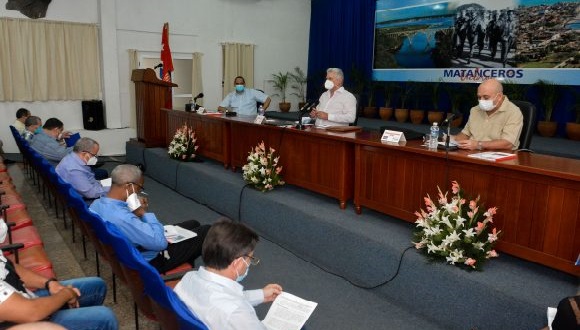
x=253 y=260
x=138 y=185
x=90 y=153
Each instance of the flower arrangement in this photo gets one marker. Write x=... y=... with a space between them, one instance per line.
x=262 y=169
x=455 y=230
x=183 y=146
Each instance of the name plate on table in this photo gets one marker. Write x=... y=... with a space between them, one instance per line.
x=259 y=119
x=393 y=136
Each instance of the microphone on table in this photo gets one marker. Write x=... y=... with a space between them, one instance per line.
x=449 y=118
x=306 y=108
x=199 y=96
x=447 y=122
x=160 y=65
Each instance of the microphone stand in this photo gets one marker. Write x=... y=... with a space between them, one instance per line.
x=301 y=112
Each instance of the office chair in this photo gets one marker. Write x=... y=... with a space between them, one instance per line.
x=529 y=112
x=258 y=104
x=357 y=97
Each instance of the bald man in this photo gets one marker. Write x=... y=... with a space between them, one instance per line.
x=495 y=123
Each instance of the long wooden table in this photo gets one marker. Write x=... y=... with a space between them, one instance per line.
x=538 y=196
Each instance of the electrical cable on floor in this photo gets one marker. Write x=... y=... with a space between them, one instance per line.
x=343 y=277
x=240 y=202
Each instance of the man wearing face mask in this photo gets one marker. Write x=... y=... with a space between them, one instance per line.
x=213 y=292
x=496 y=123
x=75 y=169
x=74 y=304
x=123 y=207
x=49 y=142
x=33 y=126
x=243 y=100
x=337 y=106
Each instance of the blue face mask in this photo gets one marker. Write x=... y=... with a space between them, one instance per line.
x=243 y=276
x=240 y=88
x=38 y=130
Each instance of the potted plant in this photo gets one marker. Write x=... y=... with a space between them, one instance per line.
x=280 y=84
x=386 y=112
x=456 y=97
x=402 y=113
x=416 y=114
x=548 y=93
x=370 y=111
x=573 y=128
x=435 y=115
x=514 y=90
x=300 y=80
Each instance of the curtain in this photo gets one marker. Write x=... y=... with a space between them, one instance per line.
x=133 y=64
x=238 y=60
x=196 y=80
x=46 y=60
x=342 y=36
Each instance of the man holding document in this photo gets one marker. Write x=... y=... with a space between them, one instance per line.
x=214 y=293
x=126 y=207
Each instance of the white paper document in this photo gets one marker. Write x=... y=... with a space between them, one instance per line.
x=107 y=182
x=288 y=312
x=176 y=234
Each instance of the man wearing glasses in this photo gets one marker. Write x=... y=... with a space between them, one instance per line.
x=213 y=292
x=127 y=208
x=75 y=168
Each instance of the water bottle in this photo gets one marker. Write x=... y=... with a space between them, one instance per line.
x=261 y=110
x=434 y=136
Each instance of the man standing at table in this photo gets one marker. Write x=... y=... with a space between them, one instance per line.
x=244 y=100
x=496 y=123
x=337 y=106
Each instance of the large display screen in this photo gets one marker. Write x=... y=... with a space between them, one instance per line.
x=465 y=41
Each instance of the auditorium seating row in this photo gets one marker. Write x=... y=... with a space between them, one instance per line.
x=152 y=294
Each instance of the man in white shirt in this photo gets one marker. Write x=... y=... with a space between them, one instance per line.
x=213 y=293
x=337 y=106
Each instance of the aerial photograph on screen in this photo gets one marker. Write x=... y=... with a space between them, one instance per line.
x=420 y=34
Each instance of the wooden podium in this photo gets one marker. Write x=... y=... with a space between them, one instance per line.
x=151 y=94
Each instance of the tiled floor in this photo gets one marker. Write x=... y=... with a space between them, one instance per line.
x=67 y=257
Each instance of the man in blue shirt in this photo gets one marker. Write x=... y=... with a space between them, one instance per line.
x=243 y=100
x=122 y=207
x=49 y=142
x=75 y=169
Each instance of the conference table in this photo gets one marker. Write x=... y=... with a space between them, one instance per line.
x=537 y=196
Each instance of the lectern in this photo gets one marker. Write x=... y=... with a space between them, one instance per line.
x=151 y=94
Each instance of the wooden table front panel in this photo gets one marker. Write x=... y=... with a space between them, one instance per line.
x=212 y=133
x=311 y=160
x=538 y=206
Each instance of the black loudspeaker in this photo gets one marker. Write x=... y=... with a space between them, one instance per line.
x=93 y=115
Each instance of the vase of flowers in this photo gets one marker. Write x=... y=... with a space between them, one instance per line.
x=262 y=170
x=183 y=146
x=456 y=230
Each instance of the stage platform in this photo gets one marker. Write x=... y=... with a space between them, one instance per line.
x=368 y=250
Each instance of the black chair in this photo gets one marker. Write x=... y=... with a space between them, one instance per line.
x=357 y=97
x=529 y=112
x=259 y=104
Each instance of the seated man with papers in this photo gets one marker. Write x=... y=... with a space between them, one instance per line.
x=75 y=169
x=50 y=141
x=496 y=123
x=124 y=207
x=214 y=293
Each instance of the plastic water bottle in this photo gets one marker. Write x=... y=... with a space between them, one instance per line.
x=434 y=136
x=261 y=111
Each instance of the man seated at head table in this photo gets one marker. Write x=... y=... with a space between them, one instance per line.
x=124 y=207
x=49 y=142
x=75 y=169
x=495 y=123
x=337 y=106
x=214 y=293
x=33 y=126
x=244 y=100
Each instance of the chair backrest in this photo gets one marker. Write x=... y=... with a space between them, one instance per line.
x=258 y=104
x=529 y=112
x=357 y=97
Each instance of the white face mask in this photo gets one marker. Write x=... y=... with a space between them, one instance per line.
x=92 y=161
x=133 y=201
x=487 y=105
x=3 y=230
x=328 y=84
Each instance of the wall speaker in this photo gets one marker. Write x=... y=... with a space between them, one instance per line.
x=93 y=115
